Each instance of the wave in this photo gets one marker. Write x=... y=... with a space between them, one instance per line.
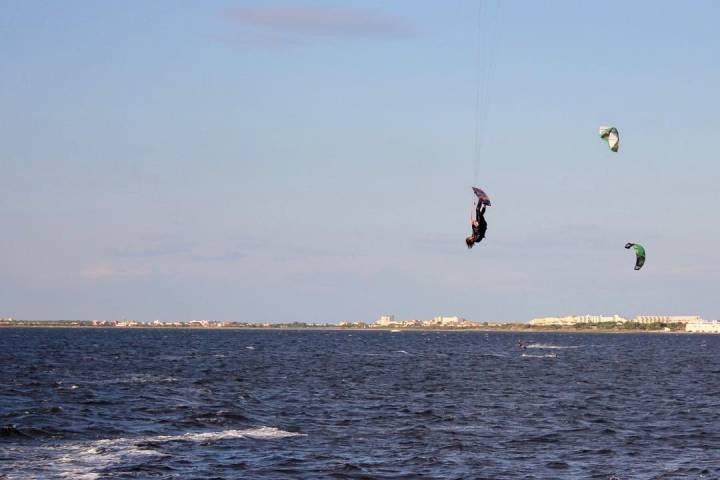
x=220 y=416
x=550 y=346
x=547 y=355
x=144 y=445
x=260 y=433
x=88 y=460
x=11 y=431
x=381 y=354
x=135 y=378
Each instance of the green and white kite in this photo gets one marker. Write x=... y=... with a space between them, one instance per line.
x=639 y=254
x=611 y=136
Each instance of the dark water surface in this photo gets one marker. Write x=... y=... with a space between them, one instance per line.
x=197 y=404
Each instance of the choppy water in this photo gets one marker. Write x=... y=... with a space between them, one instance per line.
x=197 y=404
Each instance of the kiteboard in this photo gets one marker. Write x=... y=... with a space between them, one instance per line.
x=482 y=196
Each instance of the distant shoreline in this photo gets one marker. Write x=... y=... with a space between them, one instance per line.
x=351 y=329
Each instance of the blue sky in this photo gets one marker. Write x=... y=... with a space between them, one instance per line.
x=311 y=161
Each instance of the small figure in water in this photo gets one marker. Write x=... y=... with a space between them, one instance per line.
x=522 y=344
x=479 y=225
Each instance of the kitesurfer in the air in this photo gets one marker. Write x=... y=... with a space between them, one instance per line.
x=479 y=225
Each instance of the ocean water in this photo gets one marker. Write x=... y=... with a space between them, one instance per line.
x=239 y=404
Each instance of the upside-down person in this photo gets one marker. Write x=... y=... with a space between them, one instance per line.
x=479 y=225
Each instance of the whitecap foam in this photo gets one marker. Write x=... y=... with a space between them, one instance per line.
x=80 y=476
x=550 y=346
x=87 y=460
x=402 y=351
x=133 y=379
x=260 y=433
x=81 y=461
x=547 y=355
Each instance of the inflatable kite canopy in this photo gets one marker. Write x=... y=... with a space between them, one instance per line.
x=639 y=254
x=611 y=136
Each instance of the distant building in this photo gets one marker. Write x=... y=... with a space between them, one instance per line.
x=453 y=321
x=386 y=321
x=703 y=327
x=104 y=323
x=345 y=324
x=440 y=321
x=199 y=323
x=127 y=323
x=668 y=319
x=411 y=323
x=576 y=319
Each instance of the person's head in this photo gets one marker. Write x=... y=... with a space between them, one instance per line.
x=470 y=241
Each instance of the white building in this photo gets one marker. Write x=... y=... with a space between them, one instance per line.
x=552 y=321
x=703 y=327
x=453 y=321
x=668 y=319
x=411 y=323
x=127 y=323
x=386 y=321
x=575 y=319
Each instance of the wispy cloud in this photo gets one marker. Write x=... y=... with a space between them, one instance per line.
x=227 y=256
x=288 y=26
x=154 y=249
x=103 y=272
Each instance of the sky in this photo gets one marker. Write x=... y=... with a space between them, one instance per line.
x=311 y=161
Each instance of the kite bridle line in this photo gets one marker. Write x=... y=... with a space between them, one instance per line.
x=485 y=46
x=478 y=80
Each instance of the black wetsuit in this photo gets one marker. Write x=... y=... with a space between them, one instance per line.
x=481 y=227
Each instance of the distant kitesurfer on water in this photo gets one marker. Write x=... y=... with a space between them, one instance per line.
x=479 y=225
